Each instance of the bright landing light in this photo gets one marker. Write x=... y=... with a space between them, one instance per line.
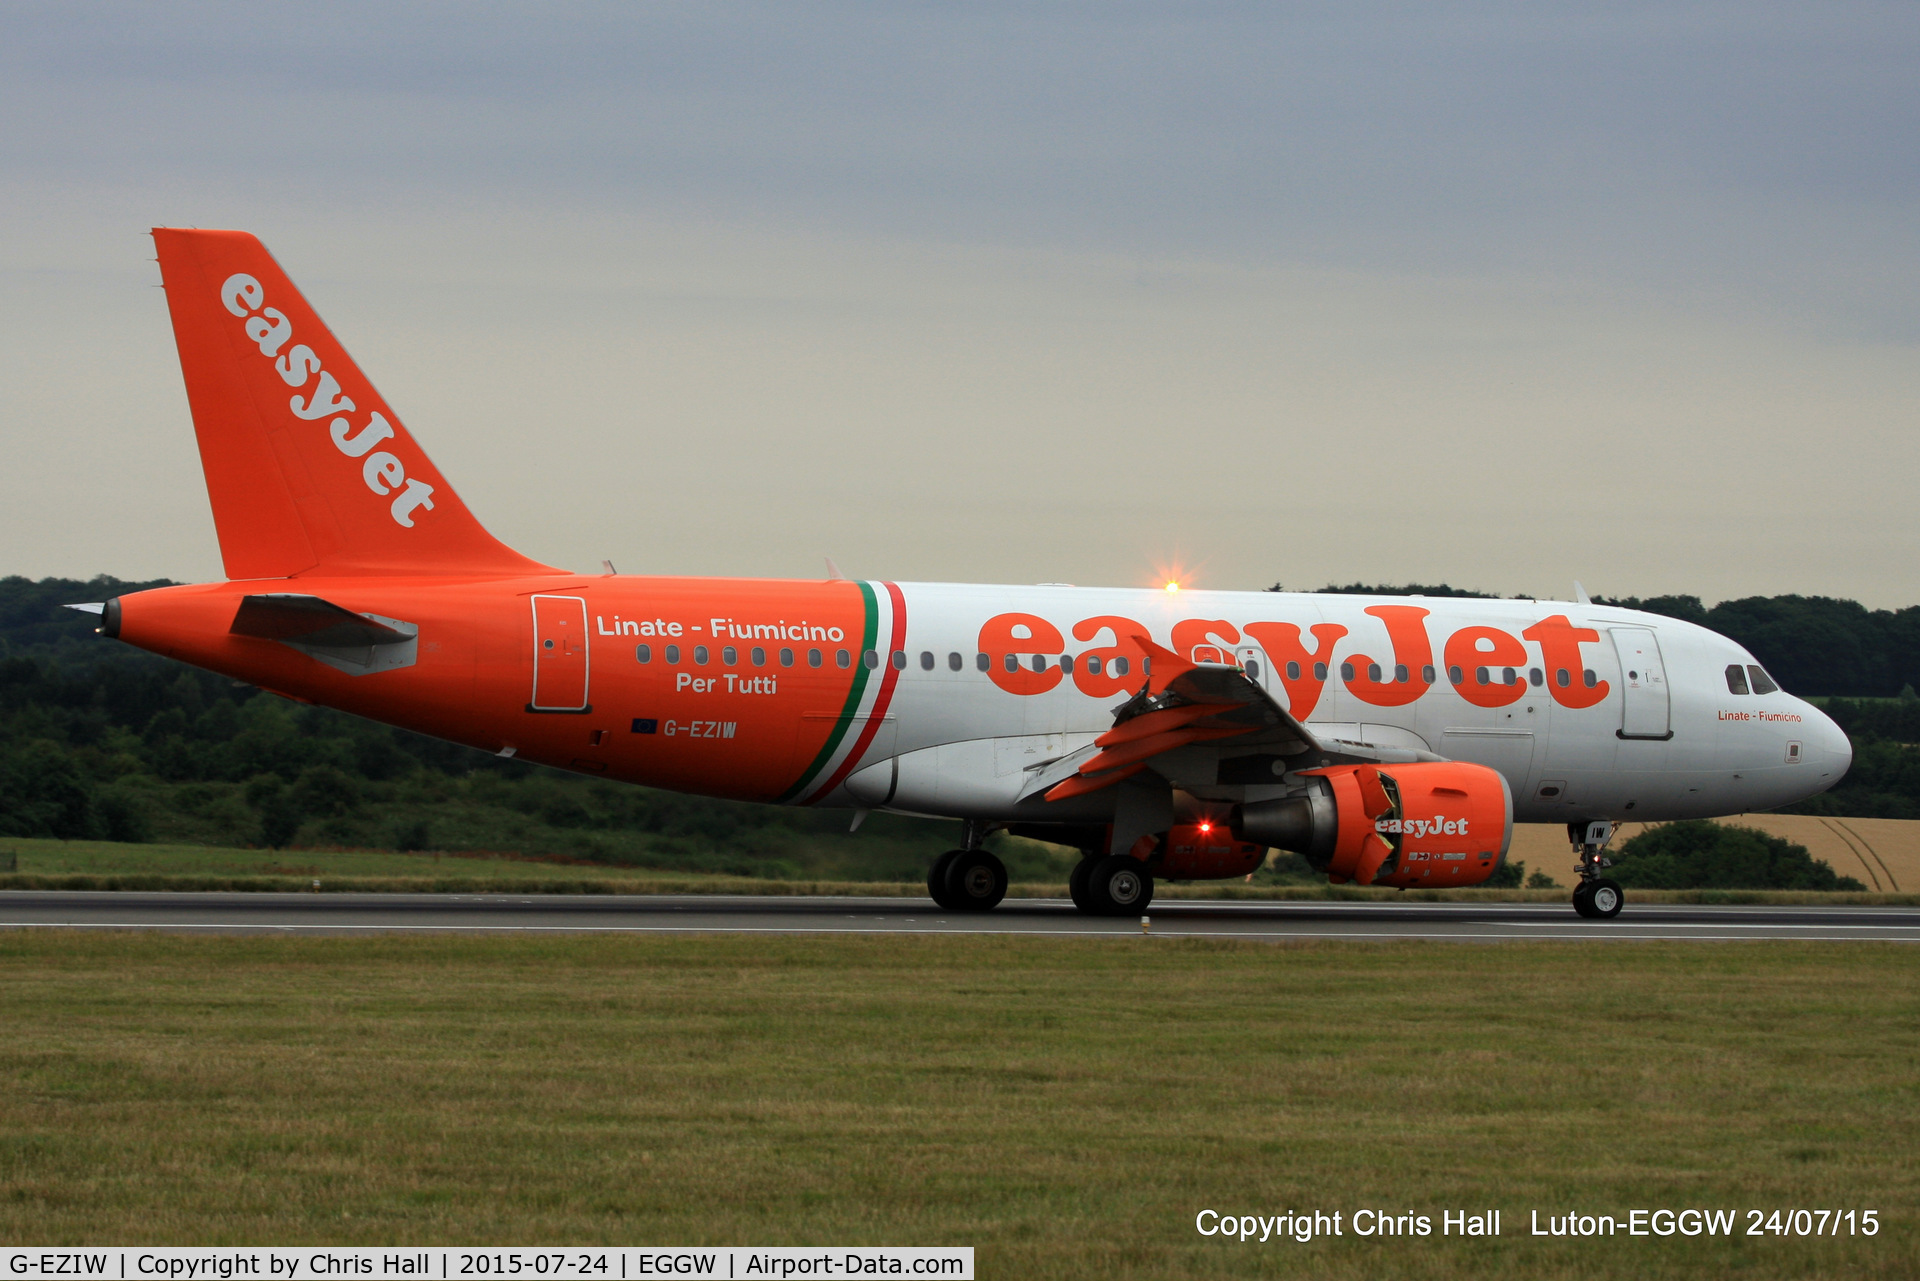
x=1172 y=586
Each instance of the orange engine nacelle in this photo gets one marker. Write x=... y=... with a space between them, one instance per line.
x=1205 y=850
x=1432 y=823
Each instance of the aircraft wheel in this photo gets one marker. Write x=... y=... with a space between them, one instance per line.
x=937 y=879
x=1605 y=899
x=1077 y=884
x=1118 y=886
x=1583 y=899
x=976 y=882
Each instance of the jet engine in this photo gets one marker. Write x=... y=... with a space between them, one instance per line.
x=1205 y=850
x=1431 y=823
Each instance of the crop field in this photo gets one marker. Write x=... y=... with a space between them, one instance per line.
x=1065 y=1107
x=1881 y=853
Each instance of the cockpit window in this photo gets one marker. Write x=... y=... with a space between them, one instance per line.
x=1737 y=678
x=1762 y=683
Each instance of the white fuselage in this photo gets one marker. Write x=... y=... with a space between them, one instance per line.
x=1641 y=724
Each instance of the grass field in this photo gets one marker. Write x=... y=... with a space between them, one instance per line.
x=1065 y=1107
x=106 y=865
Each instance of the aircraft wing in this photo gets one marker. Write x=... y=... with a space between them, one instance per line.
x=1200 y=723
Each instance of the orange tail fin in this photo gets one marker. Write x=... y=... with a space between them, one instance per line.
x=308 y=470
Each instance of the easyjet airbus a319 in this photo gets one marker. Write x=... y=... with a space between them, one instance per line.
x=1167 y=735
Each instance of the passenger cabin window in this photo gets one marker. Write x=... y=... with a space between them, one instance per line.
x=1562 y=677
x=700 y=655
x=673 y=653
x=1066 y=663
x=1346 y=671
x=759 y=656
x=1537 y=677
x=644 y=653
x=1455 y=675
x=1011 y=662
x=730 y=656
x=899 y=660
x=843 y=658
x=1428 y=675
x=1293 y=671
x=953 y=663
x=1736 y=679
x=1039 y=662
x=1319 y=671
x=1762 y=683
x=1591 y=677
x=1400 y=674
x=1253 y=668
x=1093 y=664
x=926 y=660
x=870 y=659
x=982 y=662
x=786 y=658
x=814 y=658
x=1120 y=665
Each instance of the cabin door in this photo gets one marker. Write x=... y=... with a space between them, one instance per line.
x=1643 y=685
x=559 y=655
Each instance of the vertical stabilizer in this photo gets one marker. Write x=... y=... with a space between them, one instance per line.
x=308 y=470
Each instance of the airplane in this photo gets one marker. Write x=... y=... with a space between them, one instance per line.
x=1169 y=735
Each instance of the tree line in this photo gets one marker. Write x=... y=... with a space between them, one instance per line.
x=1815 y=646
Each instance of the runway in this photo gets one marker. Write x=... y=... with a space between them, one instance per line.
x=352 y=914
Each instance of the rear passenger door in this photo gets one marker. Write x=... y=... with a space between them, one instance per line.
x=559 y=655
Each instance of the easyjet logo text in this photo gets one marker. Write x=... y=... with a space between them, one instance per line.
x=1419 y=827
x=269 y=329
x=1389 y=663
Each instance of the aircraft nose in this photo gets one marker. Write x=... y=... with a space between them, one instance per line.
x=1834 y=749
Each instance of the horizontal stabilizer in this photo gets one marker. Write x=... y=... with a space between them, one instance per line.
x=308 y=620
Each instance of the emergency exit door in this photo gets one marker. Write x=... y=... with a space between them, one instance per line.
x=1254 y=661
x=1645 y=711
x=559 y=655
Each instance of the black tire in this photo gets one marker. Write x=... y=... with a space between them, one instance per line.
x=937 y=879
x=1583 y=899
x=976 y=882
x=1077 y=884
x=1119 y=886
x=1605 y=899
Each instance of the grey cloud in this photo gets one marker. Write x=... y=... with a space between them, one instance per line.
x=1059 y=235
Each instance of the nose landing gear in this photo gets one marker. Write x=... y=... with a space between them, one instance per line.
x=1596 y=897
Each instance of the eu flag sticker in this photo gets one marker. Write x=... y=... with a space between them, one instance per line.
x=644 y=725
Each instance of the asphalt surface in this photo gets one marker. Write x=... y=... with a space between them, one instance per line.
x=349 y=914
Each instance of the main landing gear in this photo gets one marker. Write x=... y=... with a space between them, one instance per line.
x=1111 y=885
x=969 y=879
x=1596 y=897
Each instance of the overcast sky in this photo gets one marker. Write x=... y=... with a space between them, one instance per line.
x=1514 y=296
